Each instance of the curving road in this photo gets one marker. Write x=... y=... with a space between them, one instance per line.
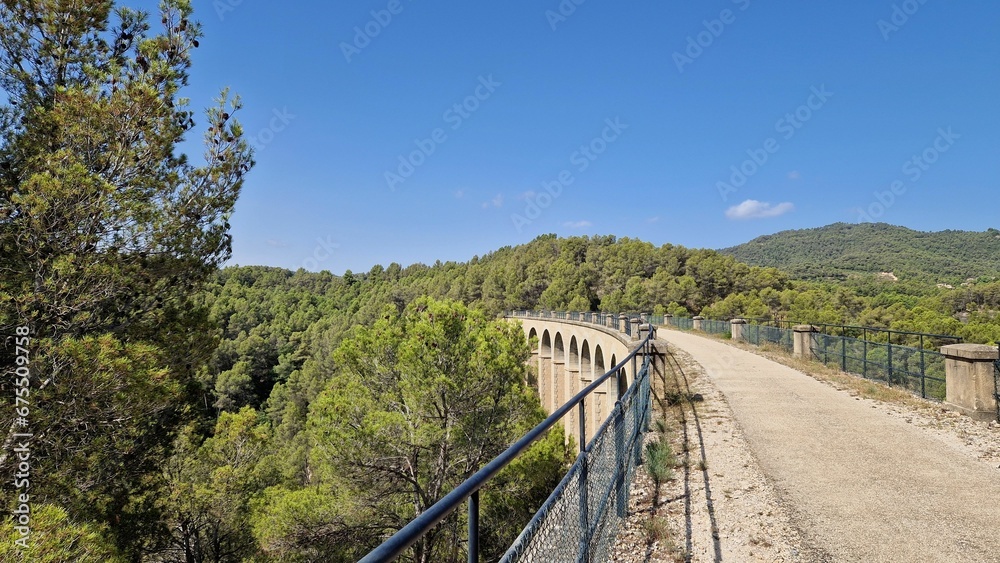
x=861 y=486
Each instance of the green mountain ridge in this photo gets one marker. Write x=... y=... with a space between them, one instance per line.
x=842 y=250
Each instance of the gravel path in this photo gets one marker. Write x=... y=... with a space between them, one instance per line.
x=719 y=506
x=858 y=483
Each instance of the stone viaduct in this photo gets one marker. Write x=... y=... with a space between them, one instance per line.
x=572 y=351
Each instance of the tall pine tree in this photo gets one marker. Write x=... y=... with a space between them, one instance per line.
x=106 y=233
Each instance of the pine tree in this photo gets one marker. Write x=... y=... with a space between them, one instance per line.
x=106 y=233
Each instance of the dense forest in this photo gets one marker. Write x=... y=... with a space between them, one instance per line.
x=171 y=410
x=840 y=250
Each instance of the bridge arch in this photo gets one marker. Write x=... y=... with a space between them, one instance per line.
x=570 y=356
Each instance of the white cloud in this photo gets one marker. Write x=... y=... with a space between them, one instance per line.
x=495 y=202
x=525 y=196
x=275 y=243
x=459 y=194
x=652 y=220
x=578 y=224
x=753 y=209
x=794 y=175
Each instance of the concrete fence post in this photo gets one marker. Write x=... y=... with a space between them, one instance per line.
x=969 y=383
x=644 y=330
x=802 y=344
x=737 y=326
x=622 y=322
x=668 y=319
x=635 y=328
x=698 y=322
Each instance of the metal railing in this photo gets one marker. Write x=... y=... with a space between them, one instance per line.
x=920 y=370
x=582 y=517
x=758 y=335
x=598 y=482
x=896 y=357
x=715 y=326
x=683 y=323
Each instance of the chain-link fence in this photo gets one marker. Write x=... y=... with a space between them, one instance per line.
x=758 y=335
x=683 y=323
x=713 y=326
x=582 y=517
x=919 y=370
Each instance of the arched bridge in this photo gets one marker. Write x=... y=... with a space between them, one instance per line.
x=571 y=350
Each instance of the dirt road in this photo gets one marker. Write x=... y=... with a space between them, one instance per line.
x=860 y=485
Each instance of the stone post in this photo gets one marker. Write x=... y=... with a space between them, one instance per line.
x=698 y=322
x=738 y=325
x=635 y=328
x=622 y=321
x=644 y=330
x=644 y=317
x=802 y=343
x=668 y=319
x=969 y=382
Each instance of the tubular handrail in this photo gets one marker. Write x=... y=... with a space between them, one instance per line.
x=419 y=526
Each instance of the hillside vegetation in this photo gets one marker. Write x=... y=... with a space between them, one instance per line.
x=842 y=249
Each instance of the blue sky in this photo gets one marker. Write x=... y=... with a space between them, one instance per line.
x=449 y=129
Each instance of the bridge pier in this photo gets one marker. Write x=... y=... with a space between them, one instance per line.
x=545 y=380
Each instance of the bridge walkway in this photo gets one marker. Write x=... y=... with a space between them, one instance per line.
x=861 y=485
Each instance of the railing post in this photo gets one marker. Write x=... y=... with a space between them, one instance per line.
x=620 y=460
x=474 y=528
x=889 y=348
x=843 y=350
x=584 y=520
x=864 y=346
x=923 y=370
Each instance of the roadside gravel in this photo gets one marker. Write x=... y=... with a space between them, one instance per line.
x=718 y=487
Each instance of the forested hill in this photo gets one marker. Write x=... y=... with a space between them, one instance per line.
x=839 y=250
